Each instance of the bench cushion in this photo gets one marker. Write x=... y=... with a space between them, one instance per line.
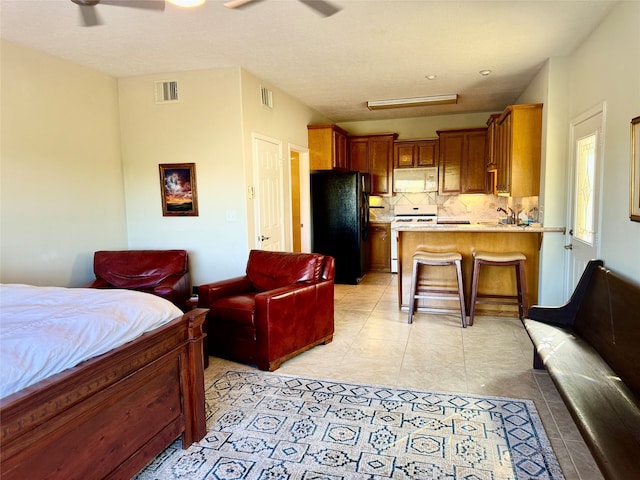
x=591 y=349
x=609 y=318
x=604 y=408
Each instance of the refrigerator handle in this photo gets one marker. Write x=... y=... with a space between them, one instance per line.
x=365 y=216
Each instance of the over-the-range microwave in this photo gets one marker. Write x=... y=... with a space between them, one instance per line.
x=415 y=180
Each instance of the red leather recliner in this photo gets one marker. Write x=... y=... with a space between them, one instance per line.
x=164 y=273
x=280 y=308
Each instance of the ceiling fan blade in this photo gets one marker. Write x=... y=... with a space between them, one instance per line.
x=322 y=7
x=239 y=3
x=89 y=16
x=146 y=4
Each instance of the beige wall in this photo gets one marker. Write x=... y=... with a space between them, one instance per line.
x=211 y=126
x=205 y=128
x=286 y=123
x=549 y=87
x=606 y=68
x=417 y=127
x=62 y=193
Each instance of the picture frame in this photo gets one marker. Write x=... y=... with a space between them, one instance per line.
x=178 y=189
x=634 y=193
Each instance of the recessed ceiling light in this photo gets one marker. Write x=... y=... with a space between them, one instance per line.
x=413 y=102
x=430 y=77
x=187 y=3
x=485 y=73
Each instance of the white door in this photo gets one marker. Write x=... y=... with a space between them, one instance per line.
x=585 y=183
x=268 y=179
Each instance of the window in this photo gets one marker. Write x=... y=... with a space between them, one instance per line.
x=584 y=214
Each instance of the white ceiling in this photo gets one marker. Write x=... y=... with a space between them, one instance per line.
x=369 y=50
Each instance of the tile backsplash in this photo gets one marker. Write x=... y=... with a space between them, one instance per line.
x=471 y=207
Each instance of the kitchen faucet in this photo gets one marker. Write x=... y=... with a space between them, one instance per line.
x=511 y=217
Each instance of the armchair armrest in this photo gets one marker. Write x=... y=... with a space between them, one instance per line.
x=287 y=314
x=210 y=292
x=566 y=314
x=174 y=288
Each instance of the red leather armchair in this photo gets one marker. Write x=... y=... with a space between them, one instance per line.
x=164 y=273
x=280 y=308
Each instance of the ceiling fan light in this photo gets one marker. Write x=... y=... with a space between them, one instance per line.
x=186 y=3
x=413 y=102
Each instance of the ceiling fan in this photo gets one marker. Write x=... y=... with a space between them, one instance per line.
x=322 y=7
x=90 y=16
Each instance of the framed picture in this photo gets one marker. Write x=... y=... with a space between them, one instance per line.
x=178 y=188
x=634 y=203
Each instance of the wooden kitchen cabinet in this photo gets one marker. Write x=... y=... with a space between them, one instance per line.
x=327 y=148
x=415 y=153
x=380 y=247
x=462 y=163
x=492 y=146
x=517 y=147
x=373 y=154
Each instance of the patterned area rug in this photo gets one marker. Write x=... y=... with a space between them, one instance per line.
x=267 y=426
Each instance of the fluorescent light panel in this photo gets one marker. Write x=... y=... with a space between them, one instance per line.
x=413 y=102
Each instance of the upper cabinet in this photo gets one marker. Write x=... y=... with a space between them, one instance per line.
x=516 y=150
x=463 y=161
x=327 y=148
x=373 y=154
x=415 y=153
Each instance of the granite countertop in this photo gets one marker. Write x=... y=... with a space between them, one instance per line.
x=478 y=227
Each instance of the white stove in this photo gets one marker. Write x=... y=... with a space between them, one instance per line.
x=408 y=216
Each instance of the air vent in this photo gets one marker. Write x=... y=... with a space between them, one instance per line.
x=167 y=92
x=267 y=97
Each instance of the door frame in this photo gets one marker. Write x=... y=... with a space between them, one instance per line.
x=600 y=109
x=305 y=197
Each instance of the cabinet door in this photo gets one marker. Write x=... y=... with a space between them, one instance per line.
x=474 y=167
x=451 y=153
x=426 y=153
x=381 y=164
x=380 y=247
x=340 y=152
x=415 y=153
x=504 y=155
x=359 y=154
x=403 y=154
x=327 y=147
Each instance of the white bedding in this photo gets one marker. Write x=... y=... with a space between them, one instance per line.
x=45 y=330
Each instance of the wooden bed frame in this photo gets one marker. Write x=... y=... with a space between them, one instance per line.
x=111 y=415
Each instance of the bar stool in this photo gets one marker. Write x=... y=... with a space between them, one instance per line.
x=506 y=259
x=423 y=257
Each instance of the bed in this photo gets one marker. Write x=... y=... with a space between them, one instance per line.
x=110 y=414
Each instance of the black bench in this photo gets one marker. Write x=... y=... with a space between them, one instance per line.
x=591 y=348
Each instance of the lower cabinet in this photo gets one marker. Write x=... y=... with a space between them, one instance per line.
x=380 y=247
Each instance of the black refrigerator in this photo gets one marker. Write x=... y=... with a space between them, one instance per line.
x=340 y=221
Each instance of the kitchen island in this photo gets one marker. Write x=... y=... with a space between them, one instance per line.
x=466 y=239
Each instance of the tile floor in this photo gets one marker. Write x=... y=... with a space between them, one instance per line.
x=373 y=343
